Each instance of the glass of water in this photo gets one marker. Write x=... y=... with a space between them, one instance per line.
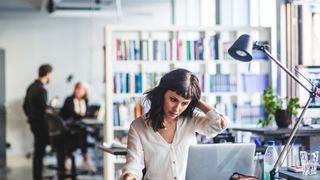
x=309 y=162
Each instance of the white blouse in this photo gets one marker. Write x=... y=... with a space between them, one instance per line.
x=79 y=105
x=147 y=148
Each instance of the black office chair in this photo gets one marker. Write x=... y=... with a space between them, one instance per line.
x=224 y=137
x=62 y=142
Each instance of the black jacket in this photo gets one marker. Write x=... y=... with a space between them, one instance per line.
x=67 y=112
x=35 y=102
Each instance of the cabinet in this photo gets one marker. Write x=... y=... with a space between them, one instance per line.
x=137 y=57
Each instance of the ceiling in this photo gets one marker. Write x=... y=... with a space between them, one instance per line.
x=37 y=5
x=20 y=5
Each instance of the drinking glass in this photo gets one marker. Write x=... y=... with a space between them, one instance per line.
x=309 y=162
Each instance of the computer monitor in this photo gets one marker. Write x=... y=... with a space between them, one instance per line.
x=219 y=161
x=313 y=74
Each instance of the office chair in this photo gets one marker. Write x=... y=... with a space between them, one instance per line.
x=224 y=137
x=62 y=142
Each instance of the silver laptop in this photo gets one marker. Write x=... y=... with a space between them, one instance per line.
x=219 y=161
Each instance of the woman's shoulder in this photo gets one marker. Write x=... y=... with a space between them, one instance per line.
x=140 y=122
x=69 y=98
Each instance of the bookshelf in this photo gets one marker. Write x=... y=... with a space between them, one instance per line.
x=137 y=57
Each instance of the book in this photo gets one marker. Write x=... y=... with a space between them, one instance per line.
x=138 y=83
x=199 y=49
x=144 y=50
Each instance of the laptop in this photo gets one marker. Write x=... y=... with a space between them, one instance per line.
x=219 y=161
x=93 y=111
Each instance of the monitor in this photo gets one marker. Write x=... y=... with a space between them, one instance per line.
x=313 y=74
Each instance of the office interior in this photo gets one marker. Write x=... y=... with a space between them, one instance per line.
x=79 y=39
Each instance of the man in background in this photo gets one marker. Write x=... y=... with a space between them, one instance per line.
x=34 y=106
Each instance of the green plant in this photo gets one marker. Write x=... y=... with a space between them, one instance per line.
x=272 y=103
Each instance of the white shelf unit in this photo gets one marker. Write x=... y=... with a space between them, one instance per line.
x=214 y=40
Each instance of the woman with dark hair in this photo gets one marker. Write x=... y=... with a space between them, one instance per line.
x=159 y=140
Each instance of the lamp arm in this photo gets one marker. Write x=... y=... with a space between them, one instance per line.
x=312 y=94
x=262 y=48
x=293 y=132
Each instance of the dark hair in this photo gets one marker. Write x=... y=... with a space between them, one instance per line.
x=44 y=70
x=181 y=81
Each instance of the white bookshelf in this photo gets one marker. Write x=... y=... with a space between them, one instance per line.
x=209 y=67
x=121 y=128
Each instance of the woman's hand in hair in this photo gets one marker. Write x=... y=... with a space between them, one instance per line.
x=204 y=107
x=129 y=176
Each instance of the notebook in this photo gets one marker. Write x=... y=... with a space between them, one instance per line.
x=219 y=161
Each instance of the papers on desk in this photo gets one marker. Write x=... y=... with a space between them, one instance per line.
x=316 y=126
x=114 y=145
x=113 y=148
x=297 y=169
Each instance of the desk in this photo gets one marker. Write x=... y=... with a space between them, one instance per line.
x=114 y=151
x=284 y=173
x=92 y=122
x=95 y=128
x=96 y=125
x=310 y=136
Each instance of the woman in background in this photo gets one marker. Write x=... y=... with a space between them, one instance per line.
x=75 y=106
x=73 y=110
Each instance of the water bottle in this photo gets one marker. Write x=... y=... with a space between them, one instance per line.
x=258 y=169
x=270 y=158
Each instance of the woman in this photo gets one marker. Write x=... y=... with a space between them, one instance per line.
x=75 y=106
x=73 y=110
x=159 y=140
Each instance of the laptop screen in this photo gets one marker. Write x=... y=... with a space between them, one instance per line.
x=219 y=161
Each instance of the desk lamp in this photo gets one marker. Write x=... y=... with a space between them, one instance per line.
x=242 y=51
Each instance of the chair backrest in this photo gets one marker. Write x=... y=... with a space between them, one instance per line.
x=219 y=161
x=56 y=125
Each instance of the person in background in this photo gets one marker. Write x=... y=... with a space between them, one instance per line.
x=72 y=111
x=35 y=106
x=158 y=141
x=76 y=105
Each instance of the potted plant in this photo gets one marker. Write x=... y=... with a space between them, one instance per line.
x=275 y=109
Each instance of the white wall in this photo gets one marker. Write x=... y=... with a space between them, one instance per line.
x=234 y=12
x=307 y=36
x=71 y=45
x=74 y=46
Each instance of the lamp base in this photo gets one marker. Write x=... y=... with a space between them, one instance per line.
x=272 y=174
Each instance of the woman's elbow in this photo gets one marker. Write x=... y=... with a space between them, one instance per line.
x=224 y=122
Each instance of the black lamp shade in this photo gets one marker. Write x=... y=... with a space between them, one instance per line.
x=242 y=48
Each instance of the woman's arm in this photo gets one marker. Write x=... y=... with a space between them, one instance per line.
x=204 y=107
x=135 y=156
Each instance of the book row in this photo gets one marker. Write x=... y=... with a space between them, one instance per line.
x=124 y=83
x=175 y=49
